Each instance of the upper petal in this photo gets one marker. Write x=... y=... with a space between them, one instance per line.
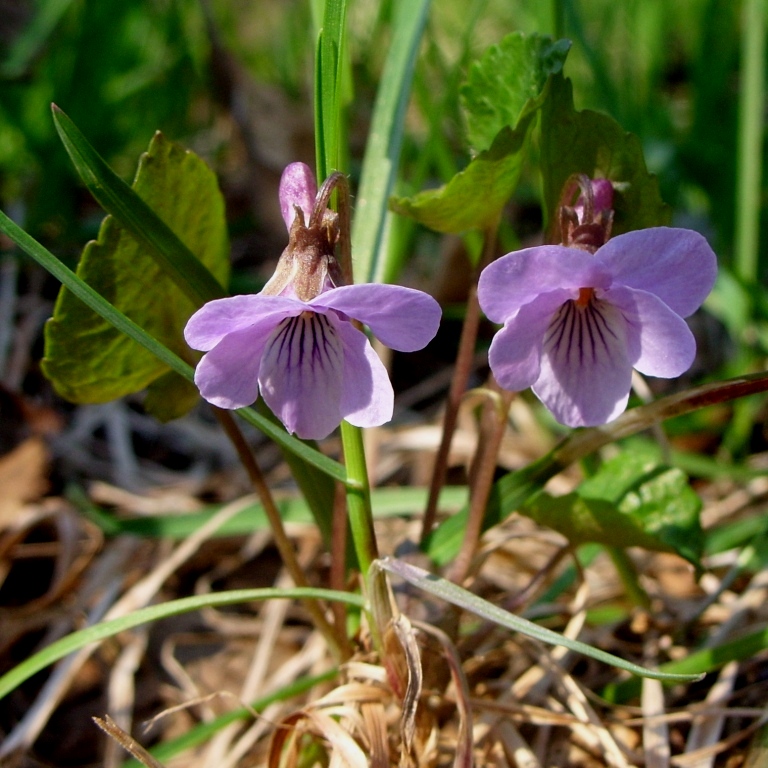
x=214 y=320
x=659 y=340
x=677 y=265
x=301 y=375
x=227 y=376
x=297 y=187
x=367 y=399
x=585 y=368
x=402 y=318
x=515 y=353
x=517 y=278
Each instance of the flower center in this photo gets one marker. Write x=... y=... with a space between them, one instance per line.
x=585 y=296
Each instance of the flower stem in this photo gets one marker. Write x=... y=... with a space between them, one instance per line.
x=462 y=371
x=363 y=536
x=359 y=497
x=494 y=422
x=282 y=542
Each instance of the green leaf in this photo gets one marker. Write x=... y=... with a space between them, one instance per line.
x=500 y=84
x=502 y=96
x=456 y=595
x=632 y=501
x=475 y=197
x=596 y=145
x=99 y=304
x=657 y=497
x=86 y=358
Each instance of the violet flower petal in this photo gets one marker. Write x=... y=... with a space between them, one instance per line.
x=297 y=187
x=660 y=341
x=515 y=352
x=401 y=318
x=585 y=370
x=367 y=398
x=218 y=318
x=519 y=277
x=227 y=376
x=301 y=375
x=677 y=265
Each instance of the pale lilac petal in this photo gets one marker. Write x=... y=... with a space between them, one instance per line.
x=660 y=341
x=227 y=376
x=297 y=187
x=517 y=278
x=213 y=321
x=401 y=318
x=585 y=371
x=301 y=375
x=515 y=353
x=677 y=265
x=367 y=399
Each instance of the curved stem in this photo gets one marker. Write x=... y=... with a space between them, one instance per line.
x=481 y=474
x=282 y=542
x=462 y=371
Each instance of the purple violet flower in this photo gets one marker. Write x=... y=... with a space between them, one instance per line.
x=577 y=322
x=295 y=342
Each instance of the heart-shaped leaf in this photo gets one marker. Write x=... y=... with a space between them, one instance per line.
x=89 y=361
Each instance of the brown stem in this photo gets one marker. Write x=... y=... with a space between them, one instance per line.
x=338 y=568
x=282 y=542
x=462 y=371
x=482 y=472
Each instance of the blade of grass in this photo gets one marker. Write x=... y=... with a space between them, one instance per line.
x=124 y=324
x=382 y=152
x=77 y=640
x=119 y=199
x=456 y=595
x=697 y=663
x=328 y=88
x=750 y=139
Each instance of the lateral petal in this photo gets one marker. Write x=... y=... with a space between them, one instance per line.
x=515 y=353
x=228 y=374
x=660 y=342
x=218 y=318
x=367 y=398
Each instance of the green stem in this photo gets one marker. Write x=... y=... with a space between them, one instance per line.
x=359 y=497
x=749 y=151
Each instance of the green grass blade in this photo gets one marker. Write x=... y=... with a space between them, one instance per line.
x=77 y=640
x=382 y=153
x=456 y=595
x=328 y=88
x=698 y=663
x=100 y=305
x=750 y=139
x=117 y=198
